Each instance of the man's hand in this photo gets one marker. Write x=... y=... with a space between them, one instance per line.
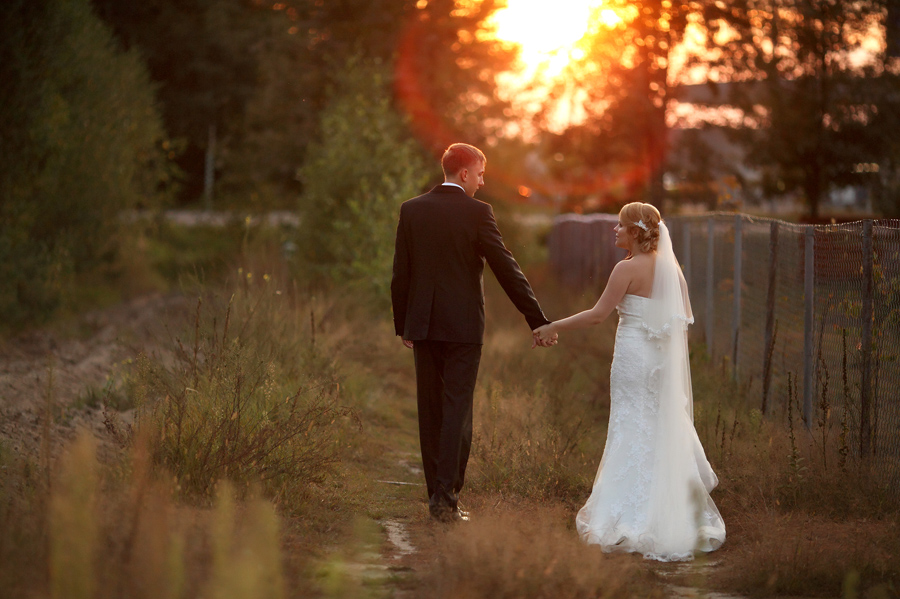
x=408 y=343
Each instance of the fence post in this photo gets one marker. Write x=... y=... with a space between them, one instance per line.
x=809 y=291
x=865 y=394
x=686 y=251
x=736 y=295
x=710 y=275
x=768 y=348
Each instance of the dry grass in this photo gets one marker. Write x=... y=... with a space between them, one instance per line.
x=240 y=399
x=798 y=522
x=101 y=531
x=525 y=552
x=222 y=404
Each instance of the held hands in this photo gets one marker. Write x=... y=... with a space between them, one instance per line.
x=544 y=336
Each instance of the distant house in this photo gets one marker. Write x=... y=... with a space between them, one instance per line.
x=700 y=146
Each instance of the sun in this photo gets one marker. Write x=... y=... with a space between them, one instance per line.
x=548 y=35
x=547 y=32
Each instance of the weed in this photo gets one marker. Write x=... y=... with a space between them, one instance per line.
x=795 y=459
x=73 y=523
x=222 y=408
x=824 y=420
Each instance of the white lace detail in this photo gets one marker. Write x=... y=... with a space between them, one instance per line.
x=666 y=329
x=619 y=516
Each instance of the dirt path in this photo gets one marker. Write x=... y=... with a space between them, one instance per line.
x=63 y=371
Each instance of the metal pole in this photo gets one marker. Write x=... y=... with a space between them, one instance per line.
x=865 y=394
x=710 y=287
x=736 y=294
x=768 y=349
x=809 y=293
x=686 y=251
x=209 y=171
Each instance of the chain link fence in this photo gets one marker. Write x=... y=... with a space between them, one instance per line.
x=776 y=301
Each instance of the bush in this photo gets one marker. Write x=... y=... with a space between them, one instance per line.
x=244 y=395
x=81 y=141
x=355 y=178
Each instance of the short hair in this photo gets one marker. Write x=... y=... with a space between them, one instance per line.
x=459 y=156
x=635 y=212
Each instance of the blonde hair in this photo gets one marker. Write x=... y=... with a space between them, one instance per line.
x=634 y=215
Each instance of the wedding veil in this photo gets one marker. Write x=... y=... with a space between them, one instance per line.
x=667 y=319
x=682 y=516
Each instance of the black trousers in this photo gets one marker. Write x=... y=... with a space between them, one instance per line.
x=445 y=383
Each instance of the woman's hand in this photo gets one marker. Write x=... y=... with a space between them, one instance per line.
x=545 y=336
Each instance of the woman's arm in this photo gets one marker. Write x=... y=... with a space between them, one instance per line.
x=615 y=290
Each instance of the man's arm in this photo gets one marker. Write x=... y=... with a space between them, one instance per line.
x=507 y=271
x=400 y=278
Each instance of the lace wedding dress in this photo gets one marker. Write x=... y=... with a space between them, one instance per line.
x=651 y=493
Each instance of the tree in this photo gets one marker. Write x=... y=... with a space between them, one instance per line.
x=260 y=73
x=445 y=73
x=81 y=142
x=306 y=46
x=359 y=170
x=204 y=56
x=626 y=74
x=819 y=116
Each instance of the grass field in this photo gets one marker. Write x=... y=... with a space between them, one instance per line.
x=271 y=451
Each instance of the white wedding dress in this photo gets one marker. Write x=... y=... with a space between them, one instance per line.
x=651 y=493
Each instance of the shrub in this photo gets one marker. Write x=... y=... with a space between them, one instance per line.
x=81 y=141
x=355 y=178
x=247 y=398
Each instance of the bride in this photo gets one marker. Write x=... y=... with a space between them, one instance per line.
x=651 y=493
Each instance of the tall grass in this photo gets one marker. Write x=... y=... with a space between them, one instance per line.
x=540 y=415
x=802 y=517
x=241 y=420
x=123 y=534
x=73 y=523
x=243 y=394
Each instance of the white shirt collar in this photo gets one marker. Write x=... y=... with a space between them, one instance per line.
x=453 y=184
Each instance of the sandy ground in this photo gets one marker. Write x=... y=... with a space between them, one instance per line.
x=62 y=371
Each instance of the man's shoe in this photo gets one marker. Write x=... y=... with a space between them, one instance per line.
x=449 y=516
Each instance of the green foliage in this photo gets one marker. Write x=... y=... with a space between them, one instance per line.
x=357 y=174
x=81 y=142
x=257 y=71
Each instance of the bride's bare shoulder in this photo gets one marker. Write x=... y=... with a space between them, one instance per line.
x=635 y=262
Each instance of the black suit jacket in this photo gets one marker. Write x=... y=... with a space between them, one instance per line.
x=437 y=289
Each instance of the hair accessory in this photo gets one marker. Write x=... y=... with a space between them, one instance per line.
x=641 y=224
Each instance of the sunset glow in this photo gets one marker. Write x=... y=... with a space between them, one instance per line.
x=547 y=33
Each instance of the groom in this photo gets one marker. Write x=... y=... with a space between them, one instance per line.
x=437 y=292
